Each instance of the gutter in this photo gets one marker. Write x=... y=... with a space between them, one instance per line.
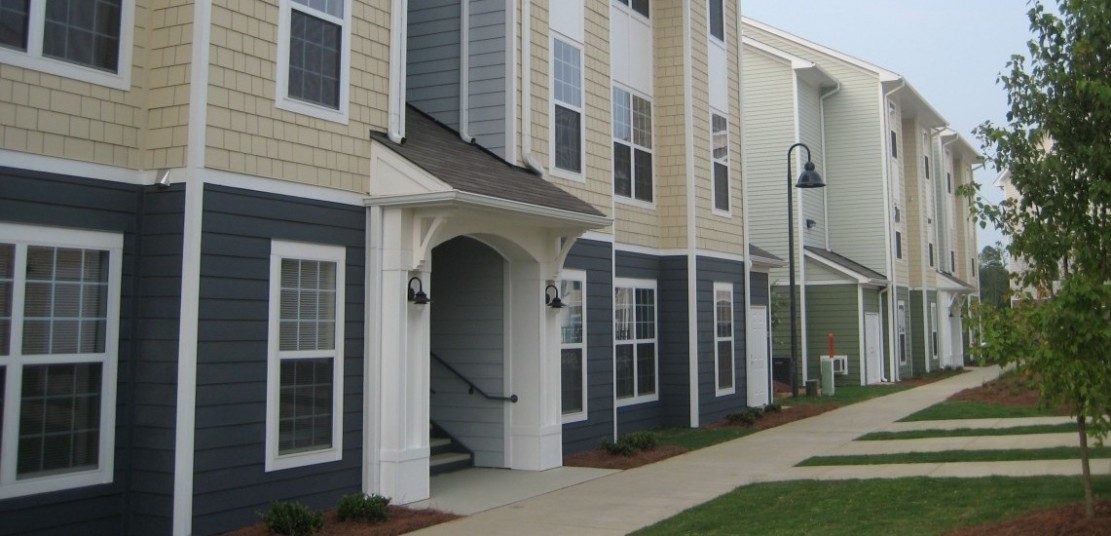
x=398 y=58
x=692 y=222
x=825 y=153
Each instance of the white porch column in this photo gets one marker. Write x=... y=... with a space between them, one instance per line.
x=535 y=426
x=402 y=355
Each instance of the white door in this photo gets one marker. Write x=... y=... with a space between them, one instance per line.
x=758 y=356
x=873 y=361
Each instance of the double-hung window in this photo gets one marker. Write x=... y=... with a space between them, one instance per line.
x=635 y=355
x=723 y=338
x=933 y=330
x=901 y=324
x=313 y=58
x=717 y=19
x=59 y=333
x=86 y=40
x=567 y=108
x=720 y=135
x=639 y=6
x=305 y=364
x=572 y=323
x=632 y=145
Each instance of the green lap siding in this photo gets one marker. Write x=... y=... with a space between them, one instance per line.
x=833 y=309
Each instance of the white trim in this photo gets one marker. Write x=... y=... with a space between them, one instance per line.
x=465 y=71
x=645 y=250
x=596 y=236
x=398 y=53
x=188 y=318
x=280 y=250
x=632 y=198
x=33 y=57
x=554 y=170
x=883 y=74
x=727 y=287
x=514 y=70
x=73 y=168
x=456 y=197
x=281 y=187
x=23 y=236
x=692 y=217
x=634 y=284
x=578 y=276
x=281 y=76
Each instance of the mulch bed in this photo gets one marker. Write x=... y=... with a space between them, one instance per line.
x=401 y=520
x=1064 y=521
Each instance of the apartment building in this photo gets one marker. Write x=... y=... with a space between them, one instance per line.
x=862 y=241
x=256 y=251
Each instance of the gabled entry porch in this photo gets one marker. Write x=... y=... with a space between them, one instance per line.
x=482 y=239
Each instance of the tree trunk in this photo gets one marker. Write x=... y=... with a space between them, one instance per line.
x=1089 y=502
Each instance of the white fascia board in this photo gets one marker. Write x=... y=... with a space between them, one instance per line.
x=961 y=144
x=946 y=283
x=883 y=74
x=848 y=273
x=913 y=101
x=565 y=218
x=805 y=69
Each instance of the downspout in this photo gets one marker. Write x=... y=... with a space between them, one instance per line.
x=526 y=92
x=465 y=70
x=888 y=219
x=825 y=152
x=398 y=58
x=692 y=220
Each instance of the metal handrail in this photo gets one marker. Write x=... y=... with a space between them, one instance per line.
x=473 y=387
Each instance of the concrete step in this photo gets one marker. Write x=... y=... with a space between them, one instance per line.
x=448 y=461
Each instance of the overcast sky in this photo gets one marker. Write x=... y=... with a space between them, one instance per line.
x=952 y=51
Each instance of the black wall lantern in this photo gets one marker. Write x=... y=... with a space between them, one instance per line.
x=418 y=296
x=551 y=299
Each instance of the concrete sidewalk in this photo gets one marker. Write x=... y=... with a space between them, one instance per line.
x=625 y=501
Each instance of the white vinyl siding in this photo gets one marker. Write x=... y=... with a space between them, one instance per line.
x=305 y=365
x=59 y=333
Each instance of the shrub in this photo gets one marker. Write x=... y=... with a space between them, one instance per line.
x=360 y=506
x=620 y=448
x=746 y=416
x=292 y=519
x=640 y=440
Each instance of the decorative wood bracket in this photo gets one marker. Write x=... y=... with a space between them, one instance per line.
x=426 y=228
x=566 y=243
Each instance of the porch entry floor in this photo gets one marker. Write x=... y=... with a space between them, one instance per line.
x=469 y=491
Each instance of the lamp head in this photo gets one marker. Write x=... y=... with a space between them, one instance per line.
x=810 y=178
x=552 y=299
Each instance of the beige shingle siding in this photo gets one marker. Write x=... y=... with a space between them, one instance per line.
x=769 y=131
x=248 y=134
x=715 y=232
x=597 y=189
x=170 y=57
x=913 y=202
x=49 y=115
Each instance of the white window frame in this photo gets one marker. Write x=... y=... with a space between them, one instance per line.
x=901 y=331
x=556 y=171
x=714 y=162
x=33 y=58
x=280 y=250
x=634 y=284
x=281 y=76
x=626 y=5
x=933 y=329
x=632 y=199
x=725 y=288
x=577 y=276
x=710 y=22
x=23 y=236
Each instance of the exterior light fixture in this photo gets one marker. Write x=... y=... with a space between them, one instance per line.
x=418 y=296
x=551 y=299
x=808 y=179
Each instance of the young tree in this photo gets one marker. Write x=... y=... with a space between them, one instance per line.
x=995 y=285
x=1055 y=145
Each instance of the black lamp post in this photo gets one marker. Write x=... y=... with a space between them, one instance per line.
x=808 y=179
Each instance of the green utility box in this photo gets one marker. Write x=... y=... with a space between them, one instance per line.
x=827 y=376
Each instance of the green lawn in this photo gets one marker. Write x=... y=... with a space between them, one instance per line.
x=947 y=456
x=696 y=438
x=962 y=409
x=920 y=506
x=971 y=432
